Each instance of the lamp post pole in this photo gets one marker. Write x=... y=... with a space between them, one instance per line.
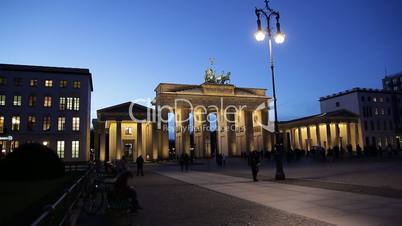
x=267 y=12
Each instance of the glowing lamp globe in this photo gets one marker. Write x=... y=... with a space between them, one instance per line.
x=259 y=35
x=280 y=38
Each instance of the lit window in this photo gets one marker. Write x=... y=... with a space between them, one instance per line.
x=129 y=131
x=3 y=100
x=376 y=111
x=31 y=122
x=48 y=83
x=75 y=148
x=77 y=84
x=46 y=123
x=76 y=103
x=69 y=103
x=374 y=99
x=61 y=123
x=33 y=83
x=17 y=81
x=15 y=123
x=3 y=81
x=1 y=124
x=47 y=102
x=63 y=83
x=17 y=101
x=14 y=144
x=76 y=123
x=382 y=111
x=32 y=101
x=381 y=99
x=60 y=148
x=62 y=103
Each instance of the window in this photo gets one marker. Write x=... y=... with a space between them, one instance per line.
x=46 y=123
x=3 y=81
x=32 y=101
x=63 y=84
x=60 y=148
x=337 y=104
x=369 y=99
x=75 y=148
x=362 y=98
x=374 y=99
x=62 y=103
x=76 y=103
x=376 y=111
x=76 y=123
x=365 y=125
x=17 y=101
x=33 y=83
x=1 y=124
x=15 y=123
x=61 y=123
x=382 y=111
x=69 y=103
x=381 y=99
x=372 y=125
x=14 y=144
x=31 y=123
x=47 y=102
x=2 y=100
x=129 y=131
x=77 y=84
x=17 y=81
x=48 y=83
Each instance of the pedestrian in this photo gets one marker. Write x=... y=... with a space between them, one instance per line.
x=255 y=163
x=140 y=165
x=186 y=161
x=181 y=162
x=358 y=151
x=223 y=160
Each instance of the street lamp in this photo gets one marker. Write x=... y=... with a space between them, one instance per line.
x=279 y=38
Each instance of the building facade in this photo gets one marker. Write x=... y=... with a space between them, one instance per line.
x=380 y=113
x=393 y=82
x=47 y=105
x=337 y=128
x=240 y=116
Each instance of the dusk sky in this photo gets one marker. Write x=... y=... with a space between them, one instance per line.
x=131 y=46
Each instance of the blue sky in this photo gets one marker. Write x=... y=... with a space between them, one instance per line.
x=131 y=46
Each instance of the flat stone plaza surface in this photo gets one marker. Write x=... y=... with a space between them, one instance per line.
x=314 y=194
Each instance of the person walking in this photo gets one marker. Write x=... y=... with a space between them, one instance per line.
x=186 y=161
x=255 y=163
x=140 y=165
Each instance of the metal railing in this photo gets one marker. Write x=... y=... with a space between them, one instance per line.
x=59 y=212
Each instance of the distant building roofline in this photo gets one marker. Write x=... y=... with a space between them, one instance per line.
x=398 y=74
x=358 y=90
x=46 y=69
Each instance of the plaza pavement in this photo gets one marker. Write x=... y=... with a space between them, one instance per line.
x=328 y=205
x=170 y=202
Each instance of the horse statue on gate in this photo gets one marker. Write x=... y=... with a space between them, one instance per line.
x=223 y=78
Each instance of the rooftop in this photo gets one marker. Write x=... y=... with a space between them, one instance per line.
x=360 y=90
x=399 y=74
x=46 y=69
